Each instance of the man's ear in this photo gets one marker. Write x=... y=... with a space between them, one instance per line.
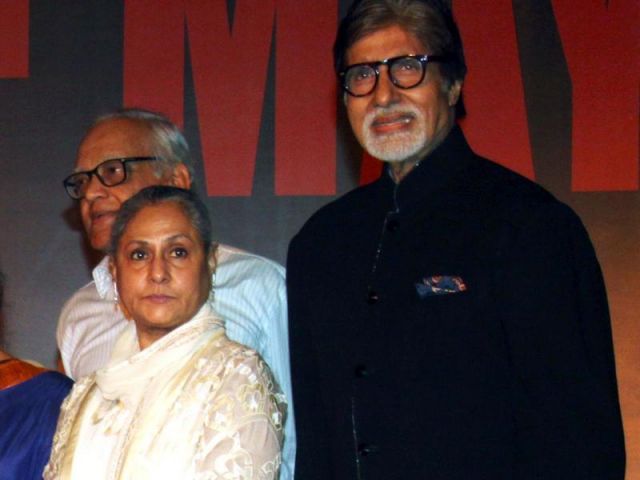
x=180 y=176
x=453 y=94
x=112 y=268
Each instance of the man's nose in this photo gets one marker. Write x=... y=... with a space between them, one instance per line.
x=385 y=93
x=94 y=189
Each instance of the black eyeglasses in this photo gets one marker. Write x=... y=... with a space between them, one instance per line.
x=406 y=71
x=111 y=172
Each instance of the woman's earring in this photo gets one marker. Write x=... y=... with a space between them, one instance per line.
x=115 y=296
x=213 y=266
x=212 y=290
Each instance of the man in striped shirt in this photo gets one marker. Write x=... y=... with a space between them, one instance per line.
x=122 y=153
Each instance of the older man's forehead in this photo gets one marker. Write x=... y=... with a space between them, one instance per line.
x=117 y=138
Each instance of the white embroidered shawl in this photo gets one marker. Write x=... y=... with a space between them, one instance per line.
x=193 y=404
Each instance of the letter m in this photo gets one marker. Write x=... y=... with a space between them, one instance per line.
x=230 y=58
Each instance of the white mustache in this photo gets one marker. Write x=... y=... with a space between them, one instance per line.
x=408 y=111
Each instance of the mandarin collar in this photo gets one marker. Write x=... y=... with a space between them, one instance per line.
x=433 y=173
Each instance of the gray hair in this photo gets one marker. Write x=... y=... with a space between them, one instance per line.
x=187 y=200
x=168 y=141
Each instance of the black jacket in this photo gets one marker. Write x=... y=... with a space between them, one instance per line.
x=512 y=377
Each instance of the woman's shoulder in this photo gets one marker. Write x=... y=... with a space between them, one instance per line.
x=230 y=357
x=52 y=382
x=238 y=367
x=15 y=372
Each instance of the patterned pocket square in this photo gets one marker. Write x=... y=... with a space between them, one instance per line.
x=440 y=285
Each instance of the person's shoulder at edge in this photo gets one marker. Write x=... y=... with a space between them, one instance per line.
x=89 y=292
x=512 y=196
x=55 y=381
x=42 y=393
x=256 y=282
x=87 y=310
x=242 y=260
x=86 y=293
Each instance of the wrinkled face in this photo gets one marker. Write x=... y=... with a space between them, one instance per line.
x=162 y=274
x=119 y=138
x=393 y=124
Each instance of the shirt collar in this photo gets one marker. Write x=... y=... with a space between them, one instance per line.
x=102 y=278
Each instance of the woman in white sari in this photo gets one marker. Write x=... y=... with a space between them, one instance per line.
x=178 y=399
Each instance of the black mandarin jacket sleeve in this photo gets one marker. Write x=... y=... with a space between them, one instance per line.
x=554 y=312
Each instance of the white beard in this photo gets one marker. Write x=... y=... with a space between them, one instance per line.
x=395 y=146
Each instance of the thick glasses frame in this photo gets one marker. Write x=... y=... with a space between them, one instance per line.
x=389 y=62
x=71 y=182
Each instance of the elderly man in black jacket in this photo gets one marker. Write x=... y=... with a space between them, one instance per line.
x=448 y=321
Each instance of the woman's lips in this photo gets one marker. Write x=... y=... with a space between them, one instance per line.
x=159 y=298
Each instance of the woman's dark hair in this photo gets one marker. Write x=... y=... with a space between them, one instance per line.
x=191 y=205
x=430 y=21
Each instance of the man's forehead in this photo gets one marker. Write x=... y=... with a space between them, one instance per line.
x=385 y=42
x=118 y=138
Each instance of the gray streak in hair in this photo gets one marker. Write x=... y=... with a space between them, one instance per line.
x=187 y=200
x=168 y=141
